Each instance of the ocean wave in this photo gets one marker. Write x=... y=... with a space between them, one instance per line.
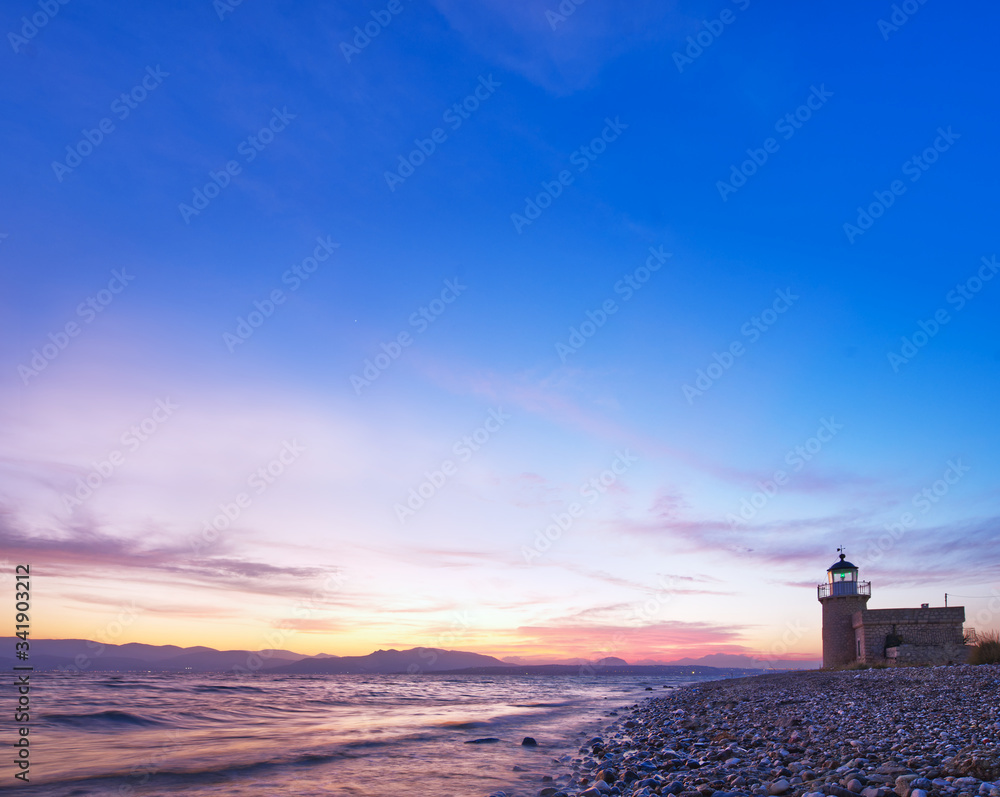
x=461 y=725
x=110 y=718
x=221 y=688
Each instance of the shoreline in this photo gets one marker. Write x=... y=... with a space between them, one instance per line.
x=901 y=732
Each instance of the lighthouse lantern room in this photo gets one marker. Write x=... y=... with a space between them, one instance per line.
x=842 y=595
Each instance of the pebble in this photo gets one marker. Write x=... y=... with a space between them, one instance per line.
x=897 y=732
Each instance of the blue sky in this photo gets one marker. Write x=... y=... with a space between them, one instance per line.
x=334 y=127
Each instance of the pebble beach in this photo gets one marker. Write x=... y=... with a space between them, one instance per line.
x=902 y=732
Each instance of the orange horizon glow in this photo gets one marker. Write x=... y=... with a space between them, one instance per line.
x=506 y=645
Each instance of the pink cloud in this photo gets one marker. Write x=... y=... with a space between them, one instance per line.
x=672 y=639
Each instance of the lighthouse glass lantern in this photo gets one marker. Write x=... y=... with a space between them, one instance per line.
x=843 y=577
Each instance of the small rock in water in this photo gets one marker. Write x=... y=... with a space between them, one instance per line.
x=527 y=741
x=485 y=740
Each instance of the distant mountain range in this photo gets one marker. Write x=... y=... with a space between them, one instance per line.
x=89 y=656
x=748 y=662
x=414 y=661
x=86 y=655
x=596 y=668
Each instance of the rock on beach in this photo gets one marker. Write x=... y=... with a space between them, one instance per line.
x=901 y=732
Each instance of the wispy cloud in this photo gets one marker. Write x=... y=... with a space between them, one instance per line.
x=656 y=639
x=559 y=56
x=81 y=549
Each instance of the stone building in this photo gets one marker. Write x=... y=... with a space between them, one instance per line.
x=853 y=633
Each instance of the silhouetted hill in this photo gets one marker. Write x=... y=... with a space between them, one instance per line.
x=89 y=656
x=731 y=660
x=595 y=668
x=416 y=660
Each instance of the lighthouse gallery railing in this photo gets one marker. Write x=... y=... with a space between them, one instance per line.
x=844 y=588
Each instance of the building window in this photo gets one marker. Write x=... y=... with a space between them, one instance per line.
x=859 y=648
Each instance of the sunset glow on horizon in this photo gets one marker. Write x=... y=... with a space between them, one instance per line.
x=480 y=334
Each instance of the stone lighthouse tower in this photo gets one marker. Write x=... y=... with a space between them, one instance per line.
x=842 y=595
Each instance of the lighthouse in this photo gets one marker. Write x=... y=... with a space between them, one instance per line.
x=842 y=595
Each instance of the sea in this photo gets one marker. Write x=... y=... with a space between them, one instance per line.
x=130 y=735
